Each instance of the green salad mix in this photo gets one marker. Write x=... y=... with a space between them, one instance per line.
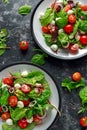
x=64 y=26
x=24 y=100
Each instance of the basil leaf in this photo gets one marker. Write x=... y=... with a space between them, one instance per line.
x=24 y=10
x=83 y=25
x=38 y=59
x=63 y=39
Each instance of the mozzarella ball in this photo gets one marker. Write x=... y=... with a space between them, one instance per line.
x=9 y=121
x=24 y=74
x=20 y=104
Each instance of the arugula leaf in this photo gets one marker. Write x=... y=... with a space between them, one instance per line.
x=75 y=29
x=32 y=78
x=72 y=85
x=83 y=95
x=17 y=113
x=14 y=127
x=24 y=9
x=4 y=97
x=47 y=17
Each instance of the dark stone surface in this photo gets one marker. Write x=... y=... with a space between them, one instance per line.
x=19 y=29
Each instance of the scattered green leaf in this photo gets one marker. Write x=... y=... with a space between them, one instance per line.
x=24 y=10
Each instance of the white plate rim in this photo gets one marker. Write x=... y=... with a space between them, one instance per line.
x=44 y=70
x=72 y=57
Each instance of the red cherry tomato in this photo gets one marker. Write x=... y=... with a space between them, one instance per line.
x=5 y=116
x=74 y=48
x=83 y=39
x=68 y=28
x=83 y=121
x=23 y=123
x=26 y=102
x=12 y=100
x=83 y=7
x=8 y=81
x=45 y=29
x=26 y=88
x=72 y=19
x=67 y=7
x=23 y=45
x=76 y=76
x=36 y=119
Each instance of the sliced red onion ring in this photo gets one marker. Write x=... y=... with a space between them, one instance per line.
x=42 y=117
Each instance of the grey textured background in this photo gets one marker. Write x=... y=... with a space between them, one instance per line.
x=19 y=29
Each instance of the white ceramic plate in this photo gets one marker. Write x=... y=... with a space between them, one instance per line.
x=54 y=99
x=39 y=39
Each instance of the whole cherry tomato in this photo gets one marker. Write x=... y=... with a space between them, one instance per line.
x=73 y=48
x=83 y=39
x=23 y=45
x=68 y=28
x=12 y=100
x=25 y=88
x=8 y=81
x=76 y=76
x=83 y=121
x=72 y=19
x=23 y=123
x=5 y=116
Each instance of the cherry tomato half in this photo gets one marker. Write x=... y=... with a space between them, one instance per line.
x=23 y=45
x=73 y=48
x=36 y=119
x=8 y=81
x=72 y=19
x=5 y=116
x=67 y=7
x=83 y=121
x=23 y=123
x=12 y=100
x=26 y=102
x=45 y=29
x=68 y=28
x=83 y=39
x=83 y=7
x=25 y=88
x=76 y=76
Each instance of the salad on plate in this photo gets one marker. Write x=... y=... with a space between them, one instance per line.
x=24 y=100
x=64 y=26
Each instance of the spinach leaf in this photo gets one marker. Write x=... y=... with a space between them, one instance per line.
x=4 y=97
x=83 y=25
x=67 y=83
x=47 y=17
x=83 y=95
x=17 y=113
x=38 y=59
x=24 y=9
x=83 y=14
x=63 y=39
